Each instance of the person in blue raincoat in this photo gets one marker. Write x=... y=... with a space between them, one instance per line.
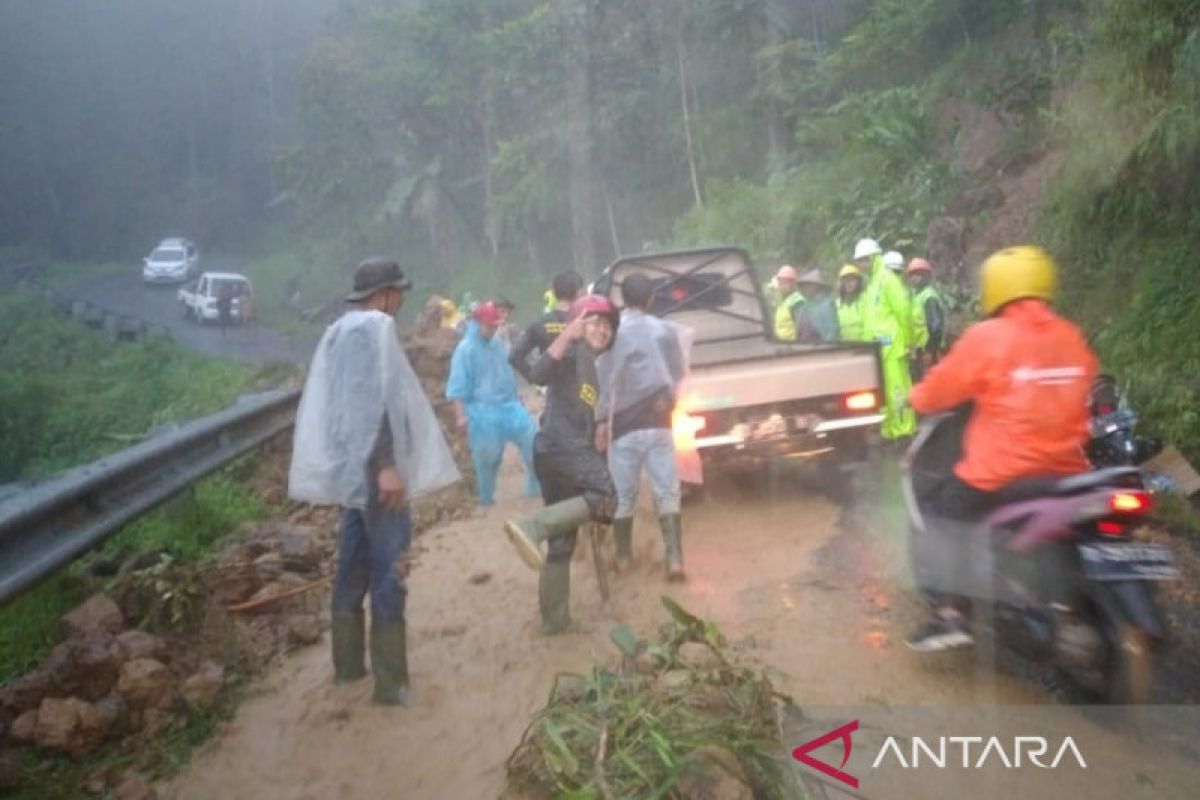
x=484 y=392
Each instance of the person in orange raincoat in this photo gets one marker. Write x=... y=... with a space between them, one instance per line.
x=1028 y=371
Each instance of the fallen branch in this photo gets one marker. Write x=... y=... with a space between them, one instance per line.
x=250 y=605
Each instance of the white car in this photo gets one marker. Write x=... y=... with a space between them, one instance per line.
x=174 y=260
x=202 y=299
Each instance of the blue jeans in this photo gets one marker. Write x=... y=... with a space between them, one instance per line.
x=371 y=545
x=653 y=448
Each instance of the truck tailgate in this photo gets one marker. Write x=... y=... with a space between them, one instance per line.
x=786 y=374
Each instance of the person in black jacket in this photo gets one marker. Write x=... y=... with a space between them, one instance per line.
x=576 y=484
x=538 y=336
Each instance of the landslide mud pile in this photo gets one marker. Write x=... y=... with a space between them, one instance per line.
x=675 y=718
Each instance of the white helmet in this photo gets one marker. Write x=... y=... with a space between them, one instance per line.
x=866 y=247
x=893 y=261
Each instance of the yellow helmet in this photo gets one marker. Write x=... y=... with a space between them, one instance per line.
x=849 y=269
x=1016 y=272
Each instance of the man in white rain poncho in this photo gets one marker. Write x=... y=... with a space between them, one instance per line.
x=639 y=381
x=367 y=439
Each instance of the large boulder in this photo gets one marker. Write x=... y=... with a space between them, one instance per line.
x=26 y=692
x=71 y=725
x=98 y=661
x=137 y=644
x=24 y=727
x=146 y=683
x=301 y=549
x=303 y=629
x=96 y=614
x=201 y=689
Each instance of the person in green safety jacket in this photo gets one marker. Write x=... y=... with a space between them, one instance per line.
x=789 y=302
x=887 y=319
x=850 y=304
x=927 y=299
x=917 y=336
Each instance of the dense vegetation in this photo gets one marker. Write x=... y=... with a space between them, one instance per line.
x=490 y=144
x=69 y=395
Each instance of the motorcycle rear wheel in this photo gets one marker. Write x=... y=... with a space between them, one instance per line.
x=1126 y=674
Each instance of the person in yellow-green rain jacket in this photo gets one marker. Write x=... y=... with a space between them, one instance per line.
x=790 y=300
x=887 y=319
x=850 y=304
x=918 y=335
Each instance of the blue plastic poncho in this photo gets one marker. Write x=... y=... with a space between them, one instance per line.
x=482 y=380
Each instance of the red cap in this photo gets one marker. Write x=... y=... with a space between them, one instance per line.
x=918 y=265
x=488 y=314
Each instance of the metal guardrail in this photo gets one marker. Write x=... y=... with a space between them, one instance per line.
x=45 y=526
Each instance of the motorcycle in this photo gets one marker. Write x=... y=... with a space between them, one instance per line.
x=1112 y=424
x=1054 y=572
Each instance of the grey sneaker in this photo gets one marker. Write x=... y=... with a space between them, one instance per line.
x=939 y=635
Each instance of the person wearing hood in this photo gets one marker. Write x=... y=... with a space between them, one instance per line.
x=816 y=317
x=887 y=320
x=367 y=439
x=576 y=484
x=486 y=405
x=918 y=335
x=789 y=301
x=1027 y=373
x=849 y=304
x=928 y=302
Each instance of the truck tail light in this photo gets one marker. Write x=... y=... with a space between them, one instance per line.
x=688 y=424
x=860 y=401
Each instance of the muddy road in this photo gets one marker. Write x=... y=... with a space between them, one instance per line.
x=817 y=595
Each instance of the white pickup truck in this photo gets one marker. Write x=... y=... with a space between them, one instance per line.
x=749 y=397
x=201 y=299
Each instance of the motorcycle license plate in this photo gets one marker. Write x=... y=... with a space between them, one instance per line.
x=1121 y=561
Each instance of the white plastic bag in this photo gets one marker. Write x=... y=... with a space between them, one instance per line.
x=358 y=373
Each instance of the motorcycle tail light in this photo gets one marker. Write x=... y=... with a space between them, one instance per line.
x=1110 y=527
x=1130 y=502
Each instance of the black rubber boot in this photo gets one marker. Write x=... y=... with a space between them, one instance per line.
x=528 y=533
x=672 y=531
x=623 y=535
x=554 y=596
x=348 y=635
x=389 y=662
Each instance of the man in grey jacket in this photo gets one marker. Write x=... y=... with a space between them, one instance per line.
x=639 y=379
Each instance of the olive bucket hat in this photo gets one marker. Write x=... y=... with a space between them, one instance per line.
x=374 y=274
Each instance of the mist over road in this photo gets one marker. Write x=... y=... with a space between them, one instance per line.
x=157 y=304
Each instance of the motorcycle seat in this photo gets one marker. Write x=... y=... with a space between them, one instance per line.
x=1049 y=486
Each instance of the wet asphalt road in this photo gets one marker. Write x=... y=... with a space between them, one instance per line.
x=157 y=304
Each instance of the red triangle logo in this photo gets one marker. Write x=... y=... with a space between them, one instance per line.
x=801 y=754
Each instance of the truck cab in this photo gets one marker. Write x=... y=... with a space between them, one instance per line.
x=749 y=397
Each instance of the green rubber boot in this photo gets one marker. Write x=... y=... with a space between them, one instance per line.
x=348 y=634
x=554 y=596
x=528 y=533
x=672 y=531
x=389 y=662
x=623 y=535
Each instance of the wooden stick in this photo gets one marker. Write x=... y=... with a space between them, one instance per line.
x=250 y=605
